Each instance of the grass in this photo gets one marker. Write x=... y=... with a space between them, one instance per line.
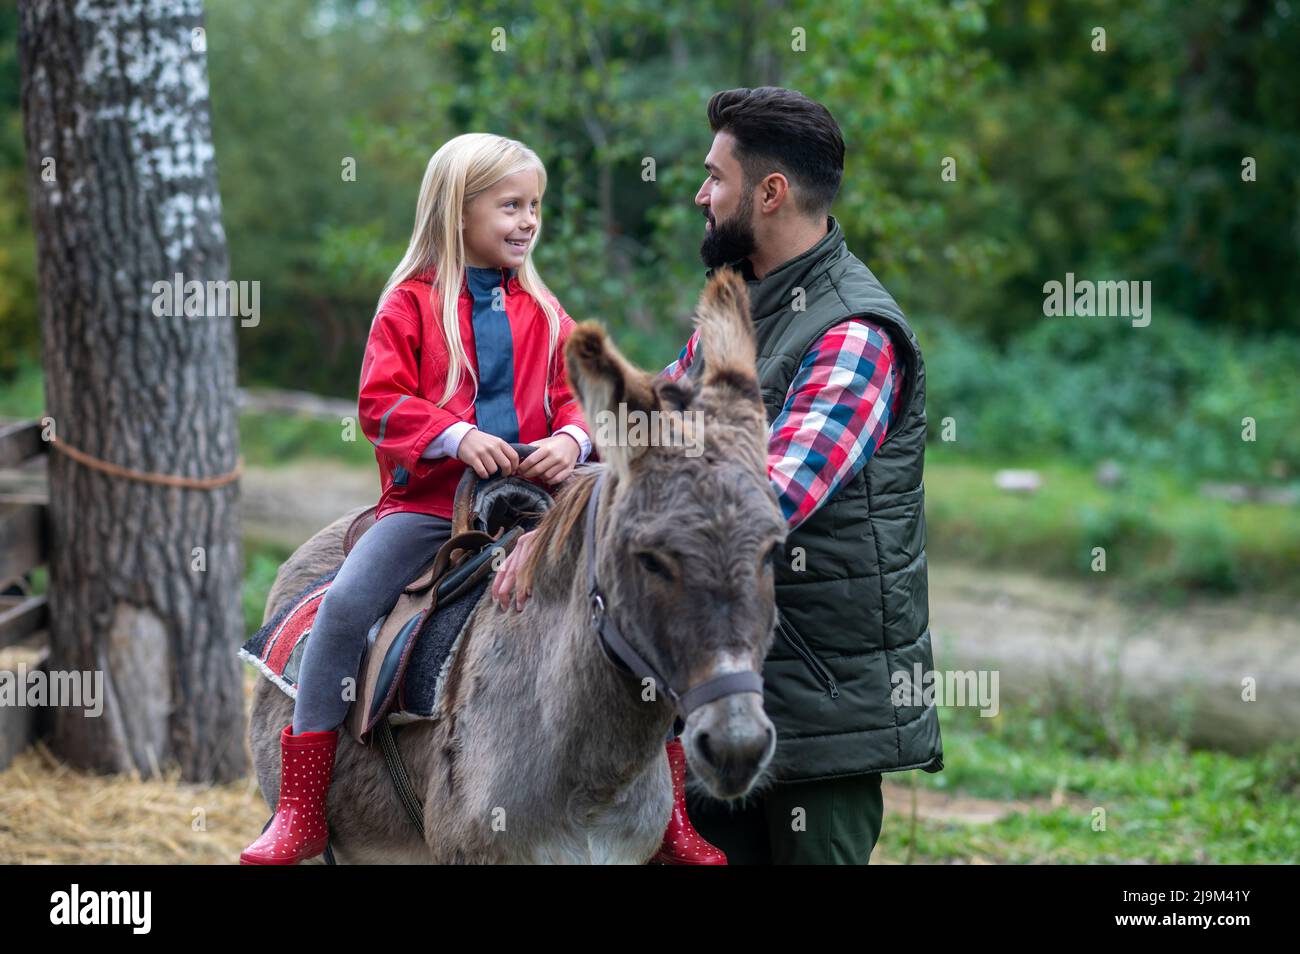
x=271 y=440
x=22 y=396
x=1158 y=534
x=1150 y=801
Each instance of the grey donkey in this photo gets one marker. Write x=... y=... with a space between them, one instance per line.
x=543 y=751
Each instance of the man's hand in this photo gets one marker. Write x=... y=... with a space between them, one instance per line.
x=553 y=460
x=504 y=581
x=487 y=453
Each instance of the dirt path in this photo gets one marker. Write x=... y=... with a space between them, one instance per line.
x=289 y=504
x=1177 y=668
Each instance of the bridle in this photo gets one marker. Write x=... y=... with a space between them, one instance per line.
x=624 y=655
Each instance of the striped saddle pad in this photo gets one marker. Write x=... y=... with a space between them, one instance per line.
x=277 y=648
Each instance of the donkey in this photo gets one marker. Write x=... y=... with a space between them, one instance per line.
x=546 y=752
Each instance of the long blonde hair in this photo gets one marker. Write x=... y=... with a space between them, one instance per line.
x=464 y=167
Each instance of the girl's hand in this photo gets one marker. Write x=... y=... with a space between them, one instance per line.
x=487 y=453
x=503 y=584
x=553 y=460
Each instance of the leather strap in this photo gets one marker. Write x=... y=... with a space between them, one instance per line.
x=406 y=792
x=625 y=656
x=470 y=571
x=359 y=525
x=471 y=541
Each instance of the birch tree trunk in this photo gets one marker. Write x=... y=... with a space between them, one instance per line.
x=144 y=578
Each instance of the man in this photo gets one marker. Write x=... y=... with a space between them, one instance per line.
x=843 y=380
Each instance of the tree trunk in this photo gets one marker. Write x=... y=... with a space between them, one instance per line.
x=144 y=578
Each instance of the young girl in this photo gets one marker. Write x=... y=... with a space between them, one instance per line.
x=465 y=355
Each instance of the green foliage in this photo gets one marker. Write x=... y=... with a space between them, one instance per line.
x=1123 y=528
x=19 y=334
x=1171 y=395
x=1203 y=559
x=1131 y=158
x=1126 y=162
x=22 y=395
x=297 y=88
x=596 y=89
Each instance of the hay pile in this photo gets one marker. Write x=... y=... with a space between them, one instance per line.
x=53 y=814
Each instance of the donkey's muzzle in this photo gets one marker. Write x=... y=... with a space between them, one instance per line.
x=729 y=742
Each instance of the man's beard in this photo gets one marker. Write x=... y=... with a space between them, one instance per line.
x=730 y=240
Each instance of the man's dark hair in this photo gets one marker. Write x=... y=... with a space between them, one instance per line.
x=782 y=130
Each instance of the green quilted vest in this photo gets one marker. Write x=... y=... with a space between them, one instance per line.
x=851 y=594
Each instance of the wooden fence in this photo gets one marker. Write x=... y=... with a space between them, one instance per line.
x=24 y=616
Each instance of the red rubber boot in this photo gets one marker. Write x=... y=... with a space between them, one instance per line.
x=298 y=830
x=683 y=845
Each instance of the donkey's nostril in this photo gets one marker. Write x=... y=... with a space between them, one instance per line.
x=702 y=746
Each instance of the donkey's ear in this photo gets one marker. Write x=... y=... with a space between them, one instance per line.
x=605 y=381
x=726 y=342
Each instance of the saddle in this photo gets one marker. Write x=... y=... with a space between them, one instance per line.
x=488 y=517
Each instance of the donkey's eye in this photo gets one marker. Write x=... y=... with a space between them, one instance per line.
x=653 y=564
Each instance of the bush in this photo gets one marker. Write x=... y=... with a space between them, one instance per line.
x=1173 y=395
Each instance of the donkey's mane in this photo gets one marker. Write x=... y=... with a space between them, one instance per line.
x=555 y=549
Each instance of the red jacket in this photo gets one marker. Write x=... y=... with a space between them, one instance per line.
x=403 y=375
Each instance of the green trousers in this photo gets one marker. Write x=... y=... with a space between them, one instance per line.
x=828 y=822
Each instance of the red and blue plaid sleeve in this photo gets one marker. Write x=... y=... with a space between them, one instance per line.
x=839 y=406
x=678 y=367
x=837 y=410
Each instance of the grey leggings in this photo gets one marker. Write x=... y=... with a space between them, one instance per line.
x=385 y=559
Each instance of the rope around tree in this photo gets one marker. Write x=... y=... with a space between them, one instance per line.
x=165 y=480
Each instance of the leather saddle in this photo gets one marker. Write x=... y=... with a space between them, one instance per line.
x=488 y=517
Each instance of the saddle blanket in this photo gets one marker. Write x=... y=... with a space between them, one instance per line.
x=277 y=648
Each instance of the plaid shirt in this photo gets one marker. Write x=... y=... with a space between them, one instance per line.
x=843 y=397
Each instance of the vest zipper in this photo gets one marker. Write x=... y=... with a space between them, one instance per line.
x=806 y=654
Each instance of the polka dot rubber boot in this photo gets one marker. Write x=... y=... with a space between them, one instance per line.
x=298 y=830
x=682 y=844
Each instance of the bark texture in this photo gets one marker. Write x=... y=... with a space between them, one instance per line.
x=144 y=579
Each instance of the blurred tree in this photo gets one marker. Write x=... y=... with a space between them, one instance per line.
x=1127 y=163
x=144 y=579
x=1123 y=163
x=322 y=131
x=601 y=91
